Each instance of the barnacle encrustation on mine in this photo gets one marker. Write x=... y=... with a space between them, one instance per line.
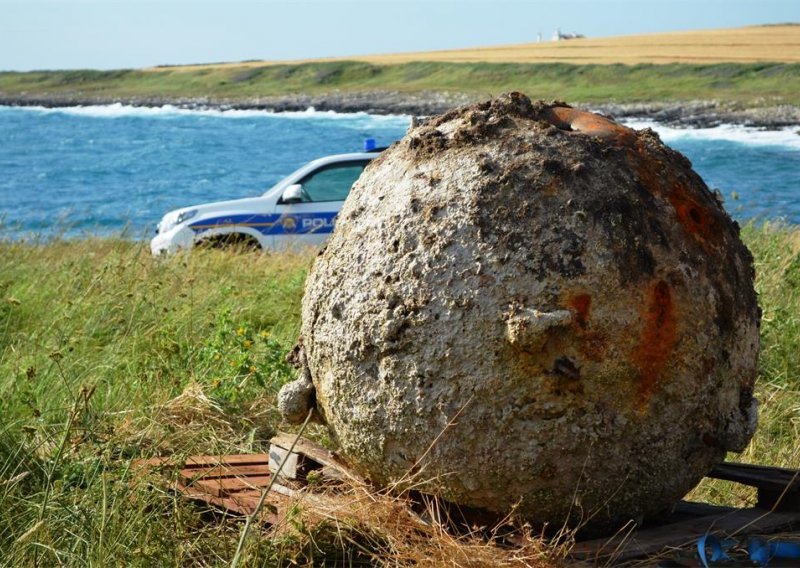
x=566 y=313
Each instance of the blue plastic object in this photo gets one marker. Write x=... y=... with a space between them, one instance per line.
x=717 y=553
x=762 y=552
x=370 y=144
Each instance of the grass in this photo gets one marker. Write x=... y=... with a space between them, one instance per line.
x=98 y=341
x=108 y=355
x=777 y=262
x=755 y=65
x=749 y=83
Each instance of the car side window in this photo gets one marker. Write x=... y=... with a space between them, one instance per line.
x=332 y=183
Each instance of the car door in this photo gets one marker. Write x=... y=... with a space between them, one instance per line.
x=311 y=221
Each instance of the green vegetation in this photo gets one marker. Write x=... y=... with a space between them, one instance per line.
x=753 y=83
x=777 y=262
x=108 y=355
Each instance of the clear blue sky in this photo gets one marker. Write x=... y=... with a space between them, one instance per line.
x=106 y=34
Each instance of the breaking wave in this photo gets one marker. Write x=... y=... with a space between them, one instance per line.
x=786 y=136
x=119 y=110
x=752 y=136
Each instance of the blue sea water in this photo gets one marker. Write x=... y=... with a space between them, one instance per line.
x=108 y=169
x=103 y=169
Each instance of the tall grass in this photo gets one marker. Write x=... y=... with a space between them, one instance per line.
x=752 y=83
x=97 y=342
x=107 y=355
x=777 y=261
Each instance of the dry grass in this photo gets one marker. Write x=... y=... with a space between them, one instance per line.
x=780 y=43
x=401 y=530
x=108 y=356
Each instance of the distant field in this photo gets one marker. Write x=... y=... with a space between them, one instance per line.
x=758 y=66
x=779 y=43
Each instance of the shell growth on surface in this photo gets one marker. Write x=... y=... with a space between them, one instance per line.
x=528 y=307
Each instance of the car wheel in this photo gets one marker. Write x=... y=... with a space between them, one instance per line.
x=233 y=241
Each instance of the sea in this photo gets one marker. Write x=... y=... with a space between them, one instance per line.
x=116 y=169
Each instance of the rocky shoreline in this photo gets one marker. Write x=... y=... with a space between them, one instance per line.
x=692 y=114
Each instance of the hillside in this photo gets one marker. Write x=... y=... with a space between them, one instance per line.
x=778 y=43
x=746 y=75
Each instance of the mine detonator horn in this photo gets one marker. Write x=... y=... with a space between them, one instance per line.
x=568 y=118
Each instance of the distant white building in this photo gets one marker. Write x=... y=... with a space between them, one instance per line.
x=558 y=36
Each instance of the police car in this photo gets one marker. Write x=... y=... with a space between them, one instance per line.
x=300 y=209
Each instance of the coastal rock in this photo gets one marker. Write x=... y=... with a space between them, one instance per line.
x=690 y=114
x=528 y=308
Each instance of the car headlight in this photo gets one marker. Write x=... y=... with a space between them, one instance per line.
x=185 y=216
x=169 y=222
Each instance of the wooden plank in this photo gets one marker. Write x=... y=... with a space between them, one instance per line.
x=276 y=503
x=235 y=483
x=760 y=476
x=648 y=542
x=274 y=510
x=778 y=500
x=778 y=487
x=316 y=452
x=687 y=510
x=244 y=502
x=224 y=471
x=201 y=461
x=243 y=459
x=225 y=486
x=695 y=509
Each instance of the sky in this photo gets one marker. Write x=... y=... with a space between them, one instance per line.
x=110 y=34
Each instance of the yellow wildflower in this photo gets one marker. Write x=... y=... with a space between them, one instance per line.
x=264 y=334
x=240 y=331
x=247 y=344
x=252 y=369
x=217 y=356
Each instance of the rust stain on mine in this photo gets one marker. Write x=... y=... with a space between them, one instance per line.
x=593 y=344
x=697 y=219
x=657 y=342
x=693 y=216
x=581 y=305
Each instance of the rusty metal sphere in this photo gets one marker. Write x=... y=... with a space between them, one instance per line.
x=527 y=307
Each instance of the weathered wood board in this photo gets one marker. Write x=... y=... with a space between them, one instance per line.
x=235 y=483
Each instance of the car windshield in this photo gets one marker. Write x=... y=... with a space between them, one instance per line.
x=332 y=183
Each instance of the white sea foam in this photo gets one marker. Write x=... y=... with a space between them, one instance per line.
x=119 y=110
x=787 y=136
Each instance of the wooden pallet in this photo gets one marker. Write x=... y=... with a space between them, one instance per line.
x=777 y=510
x=235 y=483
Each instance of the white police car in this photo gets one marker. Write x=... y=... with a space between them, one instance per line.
x=300 y=209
